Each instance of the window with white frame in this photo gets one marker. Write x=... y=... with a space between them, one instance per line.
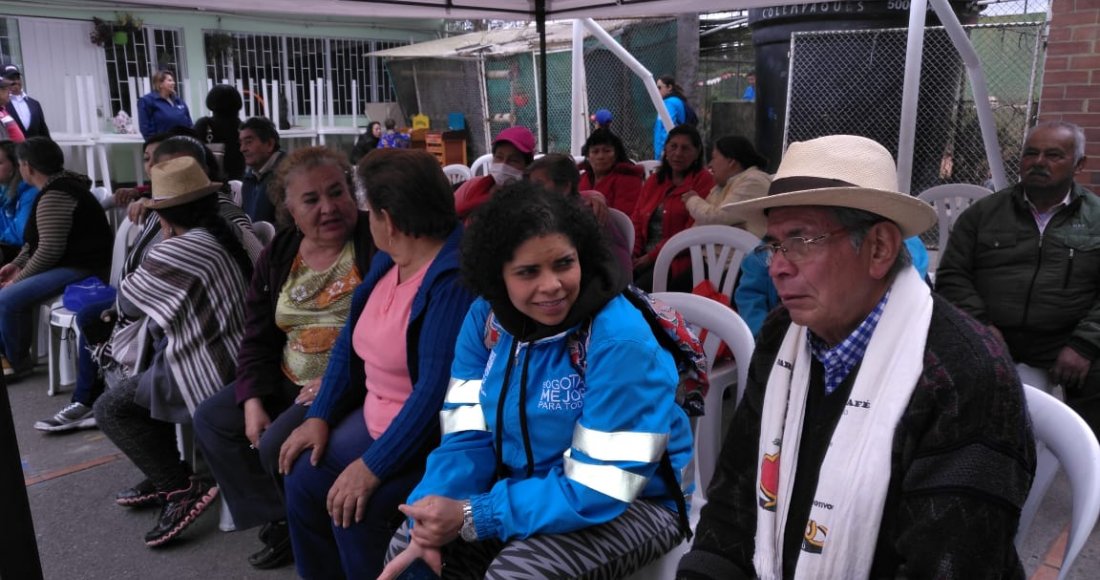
x=140 y=56
x=252 y=61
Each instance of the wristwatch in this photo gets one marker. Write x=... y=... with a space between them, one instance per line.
x=469 y=530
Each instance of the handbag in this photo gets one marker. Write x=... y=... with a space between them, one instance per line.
x=87 y=291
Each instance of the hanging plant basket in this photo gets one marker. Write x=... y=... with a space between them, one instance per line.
x=121 y=37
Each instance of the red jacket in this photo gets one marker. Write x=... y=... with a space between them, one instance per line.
x=676 y=217
x=621 y=186
x=471 y=194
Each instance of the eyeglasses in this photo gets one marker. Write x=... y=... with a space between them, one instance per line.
x=794 y=249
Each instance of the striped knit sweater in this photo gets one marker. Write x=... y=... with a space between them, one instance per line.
x=67 y=228
x=194 y=290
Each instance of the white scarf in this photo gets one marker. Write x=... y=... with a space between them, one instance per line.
x=851 y=491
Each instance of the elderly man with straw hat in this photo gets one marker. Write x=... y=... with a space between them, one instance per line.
x=883 y=433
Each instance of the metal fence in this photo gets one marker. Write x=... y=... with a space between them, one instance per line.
x=849 y=82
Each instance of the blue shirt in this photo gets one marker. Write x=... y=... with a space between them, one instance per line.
x=157 y=114
x=16 y=212
x=842 y=358
x=676 y=110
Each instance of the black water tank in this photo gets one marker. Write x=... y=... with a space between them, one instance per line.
x=872 y=96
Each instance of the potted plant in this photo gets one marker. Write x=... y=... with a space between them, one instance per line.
x=219 y=44
x=125 y=25
x=102 y=32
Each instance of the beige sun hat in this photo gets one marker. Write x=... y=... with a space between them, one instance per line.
x=179 y=181
x=838 y=171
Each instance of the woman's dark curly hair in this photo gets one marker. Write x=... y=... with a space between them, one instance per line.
x=518 y=212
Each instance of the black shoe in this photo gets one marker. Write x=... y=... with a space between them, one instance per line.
x=141 y=495
x=276 y=552
x=181 y=508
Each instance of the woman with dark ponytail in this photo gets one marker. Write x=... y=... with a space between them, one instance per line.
x=191 y=287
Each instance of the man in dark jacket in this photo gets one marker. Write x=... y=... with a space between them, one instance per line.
x=883 y=432
x=26 y=111
x=1025 y=261
x=262 y=155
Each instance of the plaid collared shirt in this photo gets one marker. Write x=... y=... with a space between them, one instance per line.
x=842 y=358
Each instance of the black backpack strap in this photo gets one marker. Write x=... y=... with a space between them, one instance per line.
x=669 y=476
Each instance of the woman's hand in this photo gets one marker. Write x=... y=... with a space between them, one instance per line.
x=347 y=498
x=597 y=203
x=256 y=421
x=8 y=273
x=431 y=556
x=136 y=211
x=123 y=196
x=308 y=393
x=313 y=434
x=688 y=195
x=438 y=520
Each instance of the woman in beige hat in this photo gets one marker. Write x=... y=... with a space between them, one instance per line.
x=191 y=289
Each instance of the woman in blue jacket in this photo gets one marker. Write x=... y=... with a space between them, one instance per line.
x=16 y=199
x=676 y=103
x=161 y=109
x=549 y=463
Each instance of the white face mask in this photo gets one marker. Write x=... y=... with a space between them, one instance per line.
x=503 y=174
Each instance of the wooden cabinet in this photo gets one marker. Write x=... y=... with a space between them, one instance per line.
x=449 y=147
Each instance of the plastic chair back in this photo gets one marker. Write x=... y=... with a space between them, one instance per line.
x=650 y=166
x=235 y=188
x=950 y=201
x=1064 y=439
x=716 y=254
x=124 y=238
x=722 y=325
x=480 y=166
x=457 y=173
x=623 y=224
x=264 y=231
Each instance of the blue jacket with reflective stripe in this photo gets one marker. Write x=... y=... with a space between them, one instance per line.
x=628 y=388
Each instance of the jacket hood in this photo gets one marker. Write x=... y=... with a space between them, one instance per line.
x=68 y=179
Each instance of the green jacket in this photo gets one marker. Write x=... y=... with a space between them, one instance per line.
x=1041 y=290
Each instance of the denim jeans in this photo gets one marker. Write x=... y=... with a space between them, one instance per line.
x=18 y=308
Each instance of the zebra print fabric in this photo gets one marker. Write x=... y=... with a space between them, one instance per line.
x=645 y=532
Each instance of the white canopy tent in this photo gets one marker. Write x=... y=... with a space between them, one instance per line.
x=540 y=11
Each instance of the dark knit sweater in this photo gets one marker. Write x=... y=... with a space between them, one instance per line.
x=67 y=229
x=962 y=462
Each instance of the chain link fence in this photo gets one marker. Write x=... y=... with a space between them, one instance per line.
x=849 y=82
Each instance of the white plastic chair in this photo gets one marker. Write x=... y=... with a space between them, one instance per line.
x=650 y=166
x=950 y=201
x=480 y=166
x=1064 y=439
x=63 y=332
x=716 y=255
x=622 y=223
x=457 y=173
x=106 y=200
x=264 y=231
x=723 y=325
x=235 y=188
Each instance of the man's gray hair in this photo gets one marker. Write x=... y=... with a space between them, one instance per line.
x=1078 y=135
x=858 y=222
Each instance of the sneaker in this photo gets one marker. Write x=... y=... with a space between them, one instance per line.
x=73 y=416
x=141 y=495
x=181 y=508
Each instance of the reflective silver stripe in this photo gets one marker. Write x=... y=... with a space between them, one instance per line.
x=606 y=479
x=463 y=392
x=465 y=418
x=619 y=445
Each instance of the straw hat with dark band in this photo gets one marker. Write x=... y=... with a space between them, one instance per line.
x=179 y=181
x=838 y=171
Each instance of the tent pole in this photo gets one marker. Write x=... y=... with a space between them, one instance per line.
x=578 y=126
x=910 y=94
x=540 y=23
x=980 y=89
x=638 y=68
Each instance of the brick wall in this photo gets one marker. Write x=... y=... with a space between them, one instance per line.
x=1071 y=81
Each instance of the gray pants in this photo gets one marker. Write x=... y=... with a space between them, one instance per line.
x=645 y=532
